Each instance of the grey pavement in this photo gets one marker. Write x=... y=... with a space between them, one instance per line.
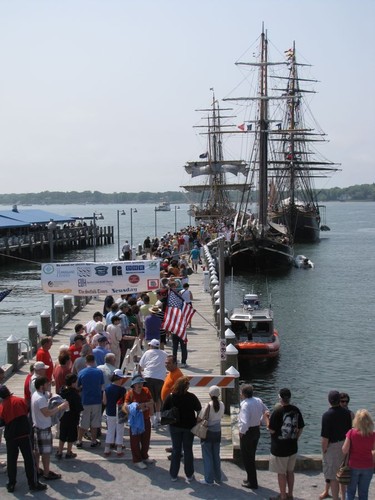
x=119 y=479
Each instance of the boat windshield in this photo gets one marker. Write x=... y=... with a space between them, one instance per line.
x=261 y=328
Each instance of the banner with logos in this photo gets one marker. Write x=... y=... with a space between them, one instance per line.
x=100 y=278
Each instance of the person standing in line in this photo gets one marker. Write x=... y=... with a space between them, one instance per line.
x=187 y=296
x=152 y=366
x=14 y=416
x=211 y=445
x=344 y=402
x=114 y=337
x=90 y=381
x=113 y=395
x=336 y=422
x=68 y=430
x=44 y=356
x=360 y=444
x=138 y=405
x=182 y=438
x=252 y=412
x=42 y=425
x=285 y=425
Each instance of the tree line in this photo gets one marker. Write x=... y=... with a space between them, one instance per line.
x=361 y=192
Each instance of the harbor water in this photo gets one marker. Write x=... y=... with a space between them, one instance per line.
x=325 y=316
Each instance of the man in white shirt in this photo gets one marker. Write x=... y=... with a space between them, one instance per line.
x=152 y=366
x=252 y=412
x=41 y=415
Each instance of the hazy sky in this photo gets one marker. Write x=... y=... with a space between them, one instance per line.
x=101 y=94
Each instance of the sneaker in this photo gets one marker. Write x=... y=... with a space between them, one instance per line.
x=203 y=481
x=71 y=455
x=95 y=444
x=184 y=365
x=174 y=479
x=58 y=455
x=37 y=487
x=140 y=465
x=190 y=478
x=79 y=444
x=149 y=461
x=169 y=449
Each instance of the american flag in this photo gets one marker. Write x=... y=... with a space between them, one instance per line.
x=4 y=294
x=177 y=315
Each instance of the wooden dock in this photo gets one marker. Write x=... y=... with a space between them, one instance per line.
x=203 y=359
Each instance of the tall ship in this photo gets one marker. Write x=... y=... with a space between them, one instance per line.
x=293 y=197
x=220 y=176
x=259 y=242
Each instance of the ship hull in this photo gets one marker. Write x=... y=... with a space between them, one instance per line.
x=304 y=225
x=261 y=253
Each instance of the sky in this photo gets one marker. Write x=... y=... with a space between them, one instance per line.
x=101 y=94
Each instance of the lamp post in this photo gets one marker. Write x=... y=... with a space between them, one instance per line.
x=131 y=230
x=51 y=227
x=156 y=222
x=119 y=212
x=94 y=217
x=175 y=217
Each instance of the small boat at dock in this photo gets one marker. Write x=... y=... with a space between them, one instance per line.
x=257 y=341
x=303 y=262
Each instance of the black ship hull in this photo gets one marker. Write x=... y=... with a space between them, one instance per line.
x=261 y=253
x=304 y=225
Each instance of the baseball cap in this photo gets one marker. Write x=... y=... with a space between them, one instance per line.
x=119 y=373
x=214 y=391
x=154 y=343
x=39 y=365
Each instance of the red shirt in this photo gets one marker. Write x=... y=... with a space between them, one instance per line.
x=13 y=407
x=144 y=397
x=26 y=389
x=43 y=355
x=75 y=352
x=360 y=456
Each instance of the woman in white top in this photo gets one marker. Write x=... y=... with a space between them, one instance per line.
x=211 y=445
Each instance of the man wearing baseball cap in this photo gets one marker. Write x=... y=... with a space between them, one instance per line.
x=152 y=366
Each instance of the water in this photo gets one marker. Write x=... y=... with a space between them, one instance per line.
x=325 y=316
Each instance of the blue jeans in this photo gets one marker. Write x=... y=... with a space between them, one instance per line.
x=211 y=460
x=362 y=479
x=176 y=341
x=181 y=439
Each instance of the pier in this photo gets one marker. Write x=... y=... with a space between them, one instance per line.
x=92 y=474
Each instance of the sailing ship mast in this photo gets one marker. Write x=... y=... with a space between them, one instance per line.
x=296 y=167
x=216 y=202
x=260 y=243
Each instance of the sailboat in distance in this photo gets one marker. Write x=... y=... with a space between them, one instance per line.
x=258 y=242
x=215 y=169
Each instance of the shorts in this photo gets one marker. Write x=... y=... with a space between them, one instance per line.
x=282 y=465
x=155 y=385
x=91 y=416
x=43 y=441
x=68 y=431
x=332 y=460
x=163 y=338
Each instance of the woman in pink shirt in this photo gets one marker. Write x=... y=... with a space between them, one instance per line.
x=360 y=444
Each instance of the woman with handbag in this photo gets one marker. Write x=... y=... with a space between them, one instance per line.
x=213 y=412
x=360 y=444
x=188 y=406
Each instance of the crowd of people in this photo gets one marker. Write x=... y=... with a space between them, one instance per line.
x=83 y=391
